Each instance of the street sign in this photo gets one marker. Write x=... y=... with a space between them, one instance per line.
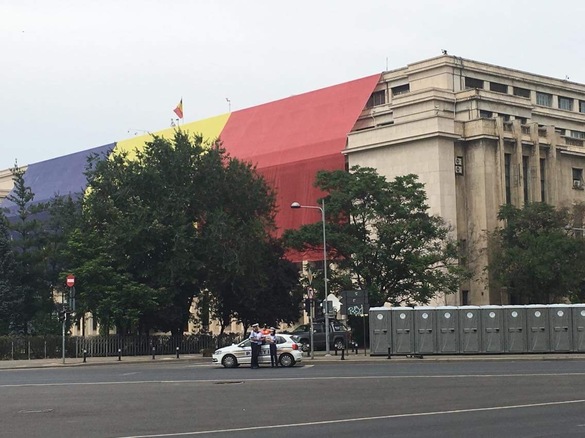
x=70 y=280
x=354 y=302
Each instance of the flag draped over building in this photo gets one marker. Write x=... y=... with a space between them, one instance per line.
x=179 y=110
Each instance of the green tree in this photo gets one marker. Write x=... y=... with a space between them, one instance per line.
x=10 y=294
x=32 y=311
x=381 y=238
x=534 y=256
x=157 y=230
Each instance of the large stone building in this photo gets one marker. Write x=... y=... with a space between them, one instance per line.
x=477 y=135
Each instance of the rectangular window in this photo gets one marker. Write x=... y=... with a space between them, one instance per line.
x=508 y=177
x=499 y=88
x=561 y=131
x=577 y=178
x=473 y=83
x=485 y=114
x=465 y=298
x=525 y=179
x=377 y=98
x=566 y=103
x=544 y=99
x=401 y=89
x=542 y=180
x=522 y=92
x=582 y=106
x=577 y=134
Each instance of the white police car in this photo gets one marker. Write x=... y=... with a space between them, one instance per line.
x=287 y=350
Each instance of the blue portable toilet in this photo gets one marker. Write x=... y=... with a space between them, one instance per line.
x=402 y=324
x=447 y=329
x=469 y=329
x=561 y=328
x=380 y=330
x=515 y=329
x=425 y=337
x=492 y=329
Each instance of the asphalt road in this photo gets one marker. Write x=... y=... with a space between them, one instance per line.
x=379 y=399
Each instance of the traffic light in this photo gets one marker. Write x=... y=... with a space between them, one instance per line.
x=308 y=305
x=62 y=315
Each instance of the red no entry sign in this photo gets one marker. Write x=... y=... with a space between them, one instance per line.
x=70 y=280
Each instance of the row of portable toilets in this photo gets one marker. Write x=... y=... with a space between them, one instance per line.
x=554 y=328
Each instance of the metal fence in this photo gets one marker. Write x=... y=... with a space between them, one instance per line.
x=39 y=347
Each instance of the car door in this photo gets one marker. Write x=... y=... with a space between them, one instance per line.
x=319 y=335
x=243 y=352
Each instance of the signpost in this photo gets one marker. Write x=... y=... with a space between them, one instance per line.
x=355 y=303
x=70 y=282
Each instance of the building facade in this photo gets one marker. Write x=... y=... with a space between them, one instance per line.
x=477 y=135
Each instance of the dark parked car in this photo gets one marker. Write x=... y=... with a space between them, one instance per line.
x=339 y=335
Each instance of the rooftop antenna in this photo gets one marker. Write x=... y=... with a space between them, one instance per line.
x=229 y=104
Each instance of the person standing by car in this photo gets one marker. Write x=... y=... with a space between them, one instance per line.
x=271 y=340
x=256 y=340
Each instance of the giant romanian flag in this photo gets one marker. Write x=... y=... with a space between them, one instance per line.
x=289 y=140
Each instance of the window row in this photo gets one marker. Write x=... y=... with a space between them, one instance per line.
x=379 y=97
x=542 y=99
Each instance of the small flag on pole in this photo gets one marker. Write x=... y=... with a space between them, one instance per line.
x=179 y=110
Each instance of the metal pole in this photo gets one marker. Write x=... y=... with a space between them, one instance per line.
x=325 y=278
x=63 y=337
x=311 y=317
x=63 y=325
x=325 y=309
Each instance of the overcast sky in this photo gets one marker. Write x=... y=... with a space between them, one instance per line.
x=77 y=74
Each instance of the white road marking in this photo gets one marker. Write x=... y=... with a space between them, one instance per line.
x=294 y=379
x=352 y=420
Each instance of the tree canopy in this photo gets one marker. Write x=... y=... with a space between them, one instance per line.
x=181 y=218
x=381 y=238
x=536 y=256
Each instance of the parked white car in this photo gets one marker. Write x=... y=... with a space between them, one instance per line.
x=288 y=352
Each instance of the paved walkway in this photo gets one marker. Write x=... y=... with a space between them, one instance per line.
x=319 y=357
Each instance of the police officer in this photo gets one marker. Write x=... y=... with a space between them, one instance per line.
x=256 y=340
x=271 y=338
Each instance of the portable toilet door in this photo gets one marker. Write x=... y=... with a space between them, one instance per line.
x=379 y=331
x=538 y=328
x=469 y=329
x=424 y=330
x=402 y=324
x=515 y=327
x=492 y=329
x=447 y=330
x=578 y=314
x=560 y=327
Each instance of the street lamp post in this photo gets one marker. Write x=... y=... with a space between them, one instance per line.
x=325 y=307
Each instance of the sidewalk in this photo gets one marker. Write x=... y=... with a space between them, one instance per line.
x=319 y=357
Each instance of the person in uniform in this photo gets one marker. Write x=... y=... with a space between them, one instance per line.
x=256 y=340
x=271 y=339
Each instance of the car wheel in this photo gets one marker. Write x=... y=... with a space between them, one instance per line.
x=229 y=361
x=286 y=360
x=339 y=344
